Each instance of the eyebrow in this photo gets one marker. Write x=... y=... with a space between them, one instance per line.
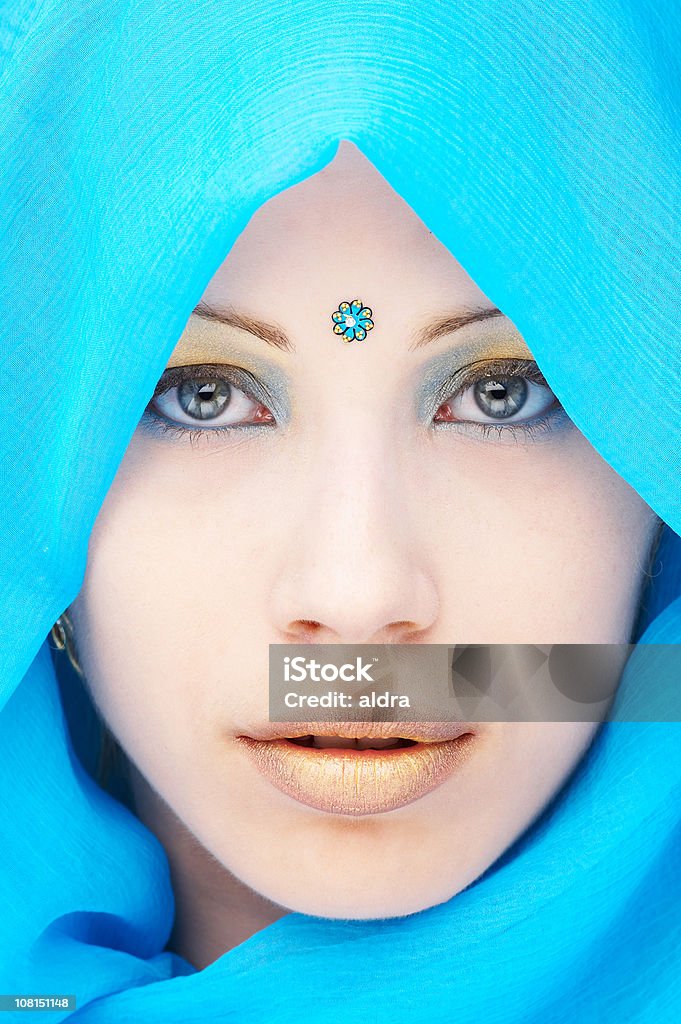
x=232 y=318
x=277 y=338
x=448 y=324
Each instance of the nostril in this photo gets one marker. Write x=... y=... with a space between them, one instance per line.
x=303 y=630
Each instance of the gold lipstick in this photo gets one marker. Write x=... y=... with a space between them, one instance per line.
x=358 y=768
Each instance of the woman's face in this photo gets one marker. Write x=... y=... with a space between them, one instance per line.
x=352 y=497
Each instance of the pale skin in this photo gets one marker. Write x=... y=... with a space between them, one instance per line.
x=350 y=518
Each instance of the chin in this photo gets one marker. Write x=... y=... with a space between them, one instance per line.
x=353 y=900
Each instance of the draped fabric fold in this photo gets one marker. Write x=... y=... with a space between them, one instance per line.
x=539 y=143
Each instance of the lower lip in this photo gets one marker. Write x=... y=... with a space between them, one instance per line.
x=356 y=782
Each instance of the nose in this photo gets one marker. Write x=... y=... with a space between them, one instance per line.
x=354 y=570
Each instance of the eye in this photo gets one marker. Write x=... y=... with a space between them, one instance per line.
x=189 y=399
x=497 y=397
x=511 y=396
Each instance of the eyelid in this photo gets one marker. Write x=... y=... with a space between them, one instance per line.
x=473 y=372
x=455 y=383
x=240 y=378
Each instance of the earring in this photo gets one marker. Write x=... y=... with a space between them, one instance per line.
x=62 y=634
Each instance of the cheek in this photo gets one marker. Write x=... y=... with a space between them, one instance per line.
x=544 y=544
x=165 y=594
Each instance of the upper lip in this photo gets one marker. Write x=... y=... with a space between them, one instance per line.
x=426 y=732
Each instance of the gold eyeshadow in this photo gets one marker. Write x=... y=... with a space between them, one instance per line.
x=204 y=341
x=496 y=338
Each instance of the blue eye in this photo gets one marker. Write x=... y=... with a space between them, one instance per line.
x=188 y=399
x=509 y=396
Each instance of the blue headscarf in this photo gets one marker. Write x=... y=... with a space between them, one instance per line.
x=538 y=141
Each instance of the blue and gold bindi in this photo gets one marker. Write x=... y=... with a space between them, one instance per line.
x=352 y=320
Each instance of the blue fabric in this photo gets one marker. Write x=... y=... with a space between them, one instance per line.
x=539 y=142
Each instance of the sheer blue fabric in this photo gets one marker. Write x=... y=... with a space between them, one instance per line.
x=539 y=142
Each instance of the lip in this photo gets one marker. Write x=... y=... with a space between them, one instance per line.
x=426 y=732
x=358 y=782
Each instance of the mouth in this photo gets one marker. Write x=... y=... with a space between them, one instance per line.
x=357 y=768
x=351 y=742
x=418 y=732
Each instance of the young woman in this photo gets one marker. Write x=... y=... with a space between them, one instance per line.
x=214 y=468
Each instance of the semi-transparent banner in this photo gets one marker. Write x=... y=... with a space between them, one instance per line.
x=475 y=682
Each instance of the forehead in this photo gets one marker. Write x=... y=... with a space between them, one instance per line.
x=341 y=232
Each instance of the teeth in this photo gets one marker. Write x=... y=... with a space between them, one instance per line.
x=361 y=743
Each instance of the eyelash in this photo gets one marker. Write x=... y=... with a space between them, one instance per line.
x=241 y=379
x=450 y=389
x=469 y=375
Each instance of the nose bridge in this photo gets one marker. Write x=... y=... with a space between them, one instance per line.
x=353 y=568
x=357 y=489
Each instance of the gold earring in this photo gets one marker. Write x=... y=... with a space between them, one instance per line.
x=62 y=634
